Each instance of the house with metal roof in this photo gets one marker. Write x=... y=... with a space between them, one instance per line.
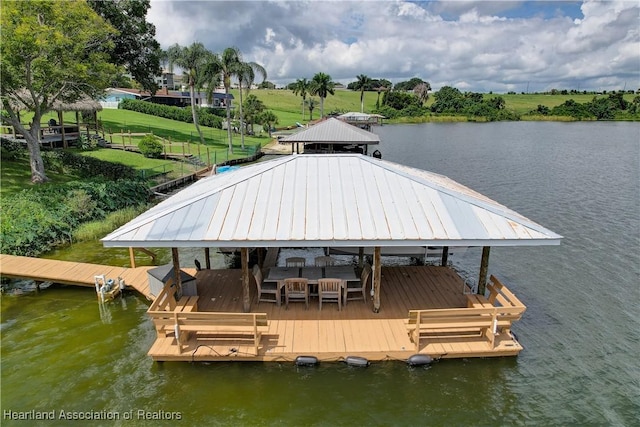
x=331 y=135
x=338 y=201
x=174 y=98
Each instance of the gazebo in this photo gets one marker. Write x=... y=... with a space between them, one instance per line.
x=60 y=132
x=332 y=135
x=329 y=200
x=361 y=120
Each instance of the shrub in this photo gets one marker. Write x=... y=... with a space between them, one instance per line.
x=87 y=167
x=96 y=229
x=12 y=150
x=150 y=146
x=35 y=220
x=205 y=117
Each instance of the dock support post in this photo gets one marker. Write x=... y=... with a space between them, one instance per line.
x=177 y=277
x=375 y=283
x=207 y=261
x=244 y=260
x=360 y=257
x=484 y=267
x=445 y=256
x=132 y=257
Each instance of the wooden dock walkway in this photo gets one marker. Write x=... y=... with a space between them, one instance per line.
x=73 y=273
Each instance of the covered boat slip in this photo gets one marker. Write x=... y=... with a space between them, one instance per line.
x=330 y=334
x=337 y=201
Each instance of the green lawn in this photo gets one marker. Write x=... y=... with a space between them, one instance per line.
x=15 y=176
x=287 y=108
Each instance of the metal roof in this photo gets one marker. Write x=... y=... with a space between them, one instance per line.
x=333 y=131
x=338 y=200
x=354 y=116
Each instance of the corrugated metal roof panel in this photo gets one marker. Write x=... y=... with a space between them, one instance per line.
x=329 y=200
x=333 y=131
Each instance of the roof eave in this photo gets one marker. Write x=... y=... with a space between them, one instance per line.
x=553 y=241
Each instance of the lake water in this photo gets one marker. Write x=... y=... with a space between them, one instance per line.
x=60 y=352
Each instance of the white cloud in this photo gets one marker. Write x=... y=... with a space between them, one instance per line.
x=497 y=45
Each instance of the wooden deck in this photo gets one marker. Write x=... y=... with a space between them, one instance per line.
x=332 y=335
x=73 y=273
x=329 y=335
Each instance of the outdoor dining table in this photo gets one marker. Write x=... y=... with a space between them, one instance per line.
x=312 y=274
x=345 y=272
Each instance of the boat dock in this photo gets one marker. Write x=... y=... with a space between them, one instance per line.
x=73 y=273
x=328 y=334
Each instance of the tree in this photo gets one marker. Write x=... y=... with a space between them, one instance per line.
x=268 y=119
x=321 y=85
x=448 y=100
x=311 y=105
x=408 y=85
x=380 y=89
x=252 y=107
x=196 y=62
x=246 y=74
x=362 y=84
x=229 y=63
x=135 y=45
x=399 y=100
x=47 y=58
x=422 y=92
x=301 y=86
x=266 y=85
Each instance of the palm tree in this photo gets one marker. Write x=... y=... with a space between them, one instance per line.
x=252 y=108
x=362 y=84
x=193 y=60
x=229 y=63
x=246 y=73
x=301 y=86
x=268 y=118
x=321 y=85
x=311 y=104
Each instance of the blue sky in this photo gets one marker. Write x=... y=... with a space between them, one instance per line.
x=479 y=46
x=510 y=9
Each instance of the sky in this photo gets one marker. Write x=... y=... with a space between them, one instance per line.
x=479 y=46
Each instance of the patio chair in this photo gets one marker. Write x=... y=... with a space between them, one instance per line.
x=296 y=289
x=295 y=262
x=324 y=261
x=265 y=288
x=330 y=290
x=359 y=288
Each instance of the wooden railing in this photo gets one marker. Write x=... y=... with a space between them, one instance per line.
x=226 y=327
x=181 y=319
x=510 y=308
x=452 y=323
x=484 y=317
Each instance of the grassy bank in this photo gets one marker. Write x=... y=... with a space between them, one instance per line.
x=287 y=106
x=288 y=109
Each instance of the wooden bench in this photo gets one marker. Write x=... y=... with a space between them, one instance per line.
x=460 y=323
x=165 y=305
x=477 y=301
x=510 y=308
x=214 y=326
